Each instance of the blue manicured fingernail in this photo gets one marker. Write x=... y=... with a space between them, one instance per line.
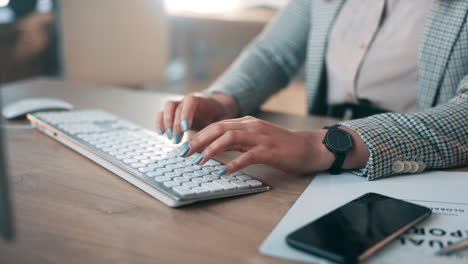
x=160 y=131
x=198 y=159
x=169 y=133
x=222 y=171
x=185 y=125
x=176 y=139
x=184 y=149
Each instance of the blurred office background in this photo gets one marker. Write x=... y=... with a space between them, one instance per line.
x=177 y=46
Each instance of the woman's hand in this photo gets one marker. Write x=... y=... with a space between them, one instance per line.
x=194 y=111
x=261 y=143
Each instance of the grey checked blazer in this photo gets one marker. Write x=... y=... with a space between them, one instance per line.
x=437 y=135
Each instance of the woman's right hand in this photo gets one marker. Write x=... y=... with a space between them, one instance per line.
x=194 y=111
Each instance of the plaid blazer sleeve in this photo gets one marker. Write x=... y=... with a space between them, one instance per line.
x=270 y=61
x=438 y=136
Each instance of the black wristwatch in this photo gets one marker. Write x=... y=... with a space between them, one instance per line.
x=339 y=142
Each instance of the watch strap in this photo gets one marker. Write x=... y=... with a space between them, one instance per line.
x=332 y=126
x=338 y=163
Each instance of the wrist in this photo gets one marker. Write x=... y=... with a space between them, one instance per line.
x=317 y=157
x=229 y=105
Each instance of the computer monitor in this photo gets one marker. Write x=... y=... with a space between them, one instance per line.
x=6 y=223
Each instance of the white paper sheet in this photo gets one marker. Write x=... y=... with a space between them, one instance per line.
x=446 y=193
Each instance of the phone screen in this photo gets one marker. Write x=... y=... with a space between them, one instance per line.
x=355 y=230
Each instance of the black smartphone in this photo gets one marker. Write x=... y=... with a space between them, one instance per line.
x=354 y=231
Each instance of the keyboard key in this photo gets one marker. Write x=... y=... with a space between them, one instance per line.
x=171 y=184
x=147 y=161
x=190 y=184
x=169 y=155
x=254 y=183
x=131 y=148
x=167 y=149
x=213 y=187
x=171 y=166
x=210 y=177
x=236 y=173
x=140 y=150
x=243 y=177
x=162 y=179
x=180 y=170
x=124 y=149
x=154 y=174
x=163 y=162
x=129 y=161
x=180 y=179
x=240 y=184
x=187 y=170
x=187 y=162
x=171 y=174
x=199 y=180
x=137 y=165
x=193 y=168
x=184 y=191
x=200 y=172
x=201 y=190
x=108 y=149
x=208 y=168
x=122 y=157
x=163 y=170
x=178 y=159
x=145 y=169
x=189 y=175
x=178 y=165
x=227 y=178
x=225 y=184
x=154 y=166
x=212 y=162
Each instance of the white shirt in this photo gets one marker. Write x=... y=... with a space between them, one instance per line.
x=373 y=53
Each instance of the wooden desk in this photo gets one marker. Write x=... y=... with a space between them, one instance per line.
x=71 y=210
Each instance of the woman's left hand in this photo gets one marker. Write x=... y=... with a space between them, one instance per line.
x=261 y=143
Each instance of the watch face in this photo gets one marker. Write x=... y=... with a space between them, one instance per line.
x=339 y=140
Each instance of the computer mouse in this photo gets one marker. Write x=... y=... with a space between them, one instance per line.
x=21 y=108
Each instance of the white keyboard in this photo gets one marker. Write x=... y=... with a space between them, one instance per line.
x=142 y=157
